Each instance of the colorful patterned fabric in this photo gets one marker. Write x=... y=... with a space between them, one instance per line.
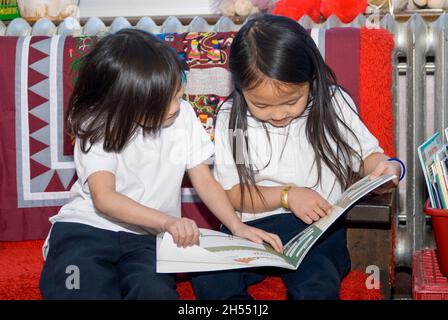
x=36 y=79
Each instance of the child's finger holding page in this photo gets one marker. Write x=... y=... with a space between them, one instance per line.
x=258 y=235
x=183 y=230
x=307 y=204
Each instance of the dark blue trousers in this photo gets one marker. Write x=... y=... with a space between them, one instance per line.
x=318 y=277
x=84 y=262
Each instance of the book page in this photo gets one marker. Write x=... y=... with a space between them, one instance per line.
x=240 y=250
x=216 y=251
x=298 y=247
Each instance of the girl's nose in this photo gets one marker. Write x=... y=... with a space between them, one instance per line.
x=279 y=116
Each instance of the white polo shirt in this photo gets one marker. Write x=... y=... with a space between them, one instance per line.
x=288 y=157
x=148 y=170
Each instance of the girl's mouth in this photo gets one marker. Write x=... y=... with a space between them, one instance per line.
x=280 y=123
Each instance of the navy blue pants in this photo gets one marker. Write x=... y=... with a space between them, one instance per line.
x=318 y=277
x=108 y=265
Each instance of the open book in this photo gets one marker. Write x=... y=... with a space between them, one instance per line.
x=220 y=251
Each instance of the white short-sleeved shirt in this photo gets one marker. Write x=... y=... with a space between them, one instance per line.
x=288 y=156
x=148 y=170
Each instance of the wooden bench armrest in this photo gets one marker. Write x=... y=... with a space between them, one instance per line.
x=375 y=210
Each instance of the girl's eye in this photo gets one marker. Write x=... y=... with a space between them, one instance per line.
x=292 y=103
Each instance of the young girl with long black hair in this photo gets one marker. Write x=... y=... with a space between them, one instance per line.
x=287 y=143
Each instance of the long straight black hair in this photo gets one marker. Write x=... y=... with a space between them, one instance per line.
x=127 y=81
x=277 y=48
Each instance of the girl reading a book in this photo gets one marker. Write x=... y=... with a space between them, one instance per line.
x=135 y=138
x=287 y=143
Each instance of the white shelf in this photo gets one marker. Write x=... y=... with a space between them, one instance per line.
x=137 y=8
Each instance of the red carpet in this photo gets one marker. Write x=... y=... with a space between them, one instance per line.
x=21 y=264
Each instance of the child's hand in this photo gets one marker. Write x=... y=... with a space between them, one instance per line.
x=258 y=236
x=386 y=167
x=185 y=232
x=307 y=204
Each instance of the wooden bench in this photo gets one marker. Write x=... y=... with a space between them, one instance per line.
x=370 y=236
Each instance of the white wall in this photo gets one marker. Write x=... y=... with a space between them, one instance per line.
x=132 y=8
